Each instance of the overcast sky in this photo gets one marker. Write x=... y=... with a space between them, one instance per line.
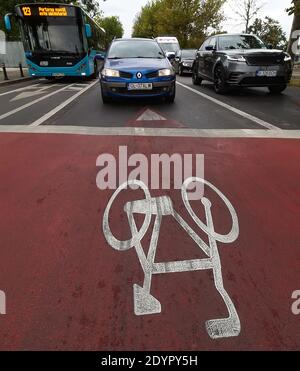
x=127 y=10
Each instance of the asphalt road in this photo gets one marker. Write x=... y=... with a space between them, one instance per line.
x=40 y=102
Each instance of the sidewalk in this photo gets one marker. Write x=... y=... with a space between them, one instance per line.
x=13 y=74
x=296 y=76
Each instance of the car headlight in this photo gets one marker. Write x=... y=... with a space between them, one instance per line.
x=236 y=58
x=110 y=73
x=287 y=58
x=165 y=72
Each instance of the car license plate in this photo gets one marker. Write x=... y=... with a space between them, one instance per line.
x=58 y=74
x=266 y=73
x=139 y=86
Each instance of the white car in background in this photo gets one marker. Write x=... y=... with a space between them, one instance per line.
x=169 y=44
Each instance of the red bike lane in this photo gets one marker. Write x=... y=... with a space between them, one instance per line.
x=66 y=288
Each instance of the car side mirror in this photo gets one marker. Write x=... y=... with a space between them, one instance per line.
x=7 y=22
x=100 y=57
x=170 y=55
x=88 y=30
x=210 y=48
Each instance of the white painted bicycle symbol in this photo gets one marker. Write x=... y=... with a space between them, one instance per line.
x=144 y=302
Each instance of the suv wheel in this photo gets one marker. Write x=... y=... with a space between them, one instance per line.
x=277 y=89
x=219 y=81
x=196 y=79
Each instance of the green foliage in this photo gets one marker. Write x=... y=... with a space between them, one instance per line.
x=270 y=31
x=295 y=8
x=188 y=20
x=112 y=26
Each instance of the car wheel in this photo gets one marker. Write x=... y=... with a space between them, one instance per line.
x=196 y=79
x=277 y=89
x=171 y=98
x=219 y=81
x=95 y=74
x=180 y=71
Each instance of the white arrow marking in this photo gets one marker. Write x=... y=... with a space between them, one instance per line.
x=27 y=94
x=150 y=115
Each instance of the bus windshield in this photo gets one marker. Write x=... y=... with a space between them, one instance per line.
x=52 y=34
x=169 y=47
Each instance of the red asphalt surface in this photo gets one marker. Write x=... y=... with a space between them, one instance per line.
x=67 y=289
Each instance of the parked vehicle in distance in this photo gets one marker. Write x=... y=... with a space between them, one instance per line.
x=184 y=60
x=59 y=40
x=137 y=68
x=241 y=60
x=169 y=44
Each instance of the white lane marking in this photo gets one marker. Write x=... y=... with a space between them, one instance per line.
x=246 y=115
x=28 y=94
x=152 y=132
x=62 y=105
x=16 y=110
x=20 y=89
x=150 y=115
x=2 y=302
x=144 y=302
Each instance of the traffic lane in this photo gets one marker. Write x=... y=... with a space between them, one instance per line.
x=26 y=106
x=75 y=291
x=280 y=110
x=189 y=110
x=20 y=84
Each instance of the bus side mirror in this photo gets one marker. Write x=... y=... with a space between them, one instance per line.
x=88 y=30
x=7 y=22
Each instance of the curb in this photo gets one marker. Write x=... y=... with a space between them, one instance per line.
x=10 y=82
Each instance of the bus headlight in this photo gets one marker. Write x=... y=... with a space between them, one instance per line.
x=110 y=73
x=165 y=72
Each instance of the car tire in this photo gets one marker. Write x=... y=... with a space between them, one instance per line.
x=277 y=89
x=220 y=84
x=196 y=79
x=171 y=98
x=95 y=74
x=180 y=71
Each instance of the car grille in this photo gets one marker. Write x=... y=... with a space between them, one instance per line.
x=126 y=75
x=125 y=91
x=265 y=60
x=263 y=81
x=152 y=75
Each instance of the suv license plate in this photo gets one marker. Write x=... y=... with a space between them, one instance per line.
x=267 y=73
x=139 y=86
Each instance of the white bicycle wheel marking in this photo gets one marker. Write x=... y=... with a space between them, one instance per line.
x=144 y=302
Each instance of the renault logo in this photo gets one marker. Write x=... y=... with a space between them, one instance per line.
x=139 y=75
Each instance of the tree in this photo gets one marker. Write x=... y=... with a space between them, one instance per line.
x=295 y=32
x=246 y=10
x=270 y=31
x=113 y=28
x=188 y=20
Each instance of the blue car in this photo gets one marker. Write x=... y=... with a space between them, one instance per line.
x=137 y=68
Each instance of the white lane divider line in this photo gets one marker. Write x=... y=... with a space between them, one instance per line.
x=246 y=115
x=16 y=110
x=62 y=105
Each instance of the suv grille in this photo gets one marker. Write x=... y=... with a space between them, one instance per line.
x=265 y=60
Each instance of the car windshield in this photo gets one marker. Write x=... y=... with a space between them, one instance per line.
x=189 y=53
x=169 y=47
x=135 y=49
x=240 y=42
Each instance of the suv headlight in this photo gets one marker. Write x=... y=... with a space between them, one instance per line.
x=236 y=58
x=165 y=72
x=287 y=58
x=110 y=73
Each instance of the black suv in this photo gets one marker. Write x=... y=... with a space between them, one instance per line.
x=241 y=60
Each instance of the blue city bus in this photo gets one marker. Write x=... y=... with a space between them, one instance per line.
x=59 y=40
